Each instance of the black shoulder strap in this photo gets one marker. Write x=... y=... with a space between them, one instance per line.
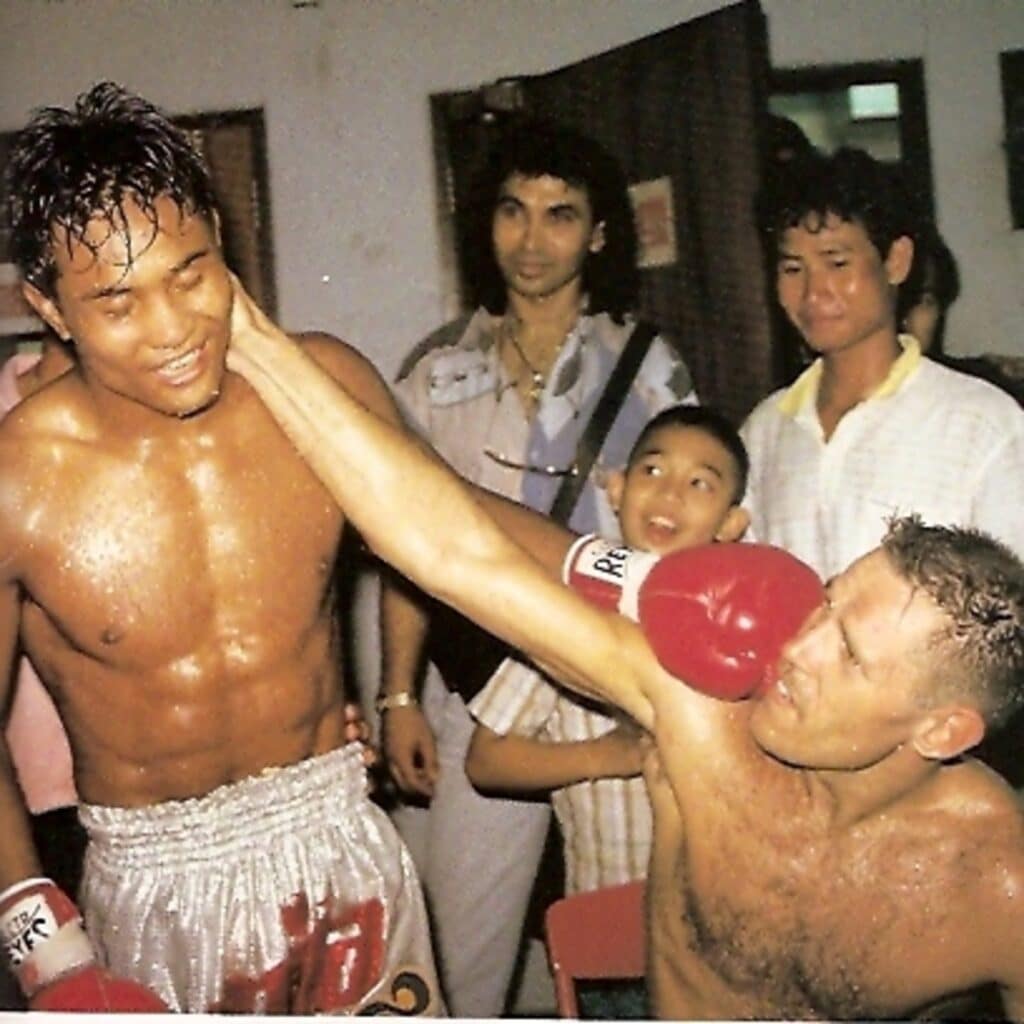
x=603 y=417
x=444 y=337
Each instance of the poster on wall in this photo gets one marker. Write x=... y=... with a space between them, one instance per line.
x=654 y=213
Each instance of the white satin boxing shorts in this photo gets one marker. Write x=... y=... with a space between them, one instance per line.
x=287 y=892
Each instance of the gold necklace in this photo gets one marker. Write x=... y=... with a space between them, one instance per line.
x=537 y=378
x=510 y=328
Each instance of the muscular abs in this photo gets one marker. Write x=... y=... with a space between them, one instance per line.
x=178 y=603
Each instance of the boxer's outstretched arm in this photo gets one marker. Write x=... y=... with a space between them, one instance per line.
x=547 y=541
x=419 y=516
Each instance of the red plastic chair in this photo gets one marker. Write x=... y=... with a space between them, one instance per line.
x=595 y=935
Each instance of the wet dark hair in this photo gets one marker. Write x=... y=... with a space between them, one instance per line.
x=70 y=166
x=536 y=147
x=850 y=184
x=712 y=422
x=979 y=584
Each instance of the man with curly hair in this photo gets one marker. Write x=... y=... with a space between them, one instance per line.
x=872 y=428
x=505 y=394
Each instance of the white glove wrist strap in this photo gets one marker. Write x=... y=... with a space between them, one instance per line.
x=42 y=934
x=614 y=566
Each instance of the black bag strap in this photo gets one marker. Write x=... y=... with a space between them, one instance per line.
x=602 y=418
x=466 y=655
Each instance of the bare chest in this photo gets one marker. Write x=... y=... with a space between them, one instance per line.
x=137 y=560
x=791 y=923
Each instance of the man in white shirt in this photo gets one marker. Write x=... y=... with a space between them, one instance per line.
x=872 y=428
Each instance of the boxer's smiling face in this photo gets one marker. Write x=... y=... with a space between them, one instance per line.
x=852 y=682
x=146 y=300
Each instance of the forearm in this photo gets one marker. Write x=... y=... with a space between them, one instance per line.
x=403 y=623
x=18 y=858
x=519 y=764
x=547 y=541
x=370 y=467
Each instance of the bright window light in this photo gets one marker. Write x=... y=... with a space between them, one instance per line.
x=869 y=102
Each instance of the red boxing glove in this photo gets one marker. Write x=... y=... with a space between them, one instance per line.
x=716 y=616
x=53 y=959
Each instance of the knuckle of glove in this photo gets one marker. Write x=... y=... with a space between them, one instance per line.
x=717 y=617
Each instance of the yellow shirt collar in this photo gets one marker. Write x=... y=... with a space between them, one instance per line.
x=805 y=388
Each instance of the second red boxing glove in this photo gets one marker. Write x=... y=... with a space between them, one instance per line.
x=48 y=950
x=715 y=616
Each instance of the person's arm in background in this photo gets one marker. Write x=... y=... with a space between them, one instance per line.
x=406 y=737
x=18 y=858
x=513 y=763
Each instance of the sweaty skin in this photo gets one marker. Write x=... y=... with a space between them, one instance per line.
x=167 y=554
x=819 y=853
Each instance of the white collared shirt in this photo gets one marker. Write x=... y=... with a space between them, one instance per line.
x=929 y=440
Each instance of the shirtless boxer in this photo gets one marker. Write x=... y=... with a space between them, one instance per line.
x=827 y=848
x=169 y=559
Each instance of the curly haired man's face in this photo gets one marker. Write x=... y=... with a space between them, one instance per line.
x=835 y=287
x=543 y=230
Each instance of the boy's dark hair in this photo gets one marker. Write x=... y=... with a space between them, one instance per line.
x=850 y=184
x=703 y=417
x=979 y=584
x=536 y=147
x=69 y=166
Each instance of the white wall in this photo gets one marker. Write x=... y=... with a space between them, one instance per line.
x=345 y=86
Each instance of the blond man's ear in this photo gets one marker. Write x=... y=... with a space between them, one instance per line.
x=948 y=732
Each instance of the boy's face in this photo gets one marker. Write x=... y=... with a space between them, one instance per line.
x=678 y=491
x=148 y=308
x=543 y=230
x=835 y=286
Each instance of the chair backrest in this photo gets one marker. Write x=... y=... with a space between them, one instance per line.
x=595 y=935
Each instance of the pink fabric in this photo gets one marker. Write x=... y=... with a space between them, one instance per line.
x=35 y=736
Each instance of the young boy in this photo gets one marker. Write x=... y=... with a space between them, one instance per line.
x=682 y=487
